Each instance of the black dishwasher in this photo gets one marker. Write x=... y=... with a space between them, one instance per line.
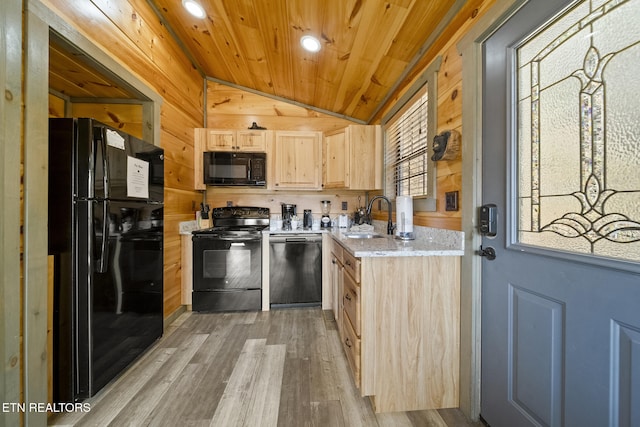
x=295 y=270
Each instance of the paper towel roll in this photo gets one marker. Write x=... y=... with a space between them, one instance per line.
x=404 y=215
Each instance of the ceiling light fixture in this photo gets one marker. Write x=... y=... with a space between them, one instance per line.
x=310 y=43
x=194 y=8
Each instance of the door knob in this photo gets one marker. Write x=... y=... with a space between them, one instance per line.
x=488 y=252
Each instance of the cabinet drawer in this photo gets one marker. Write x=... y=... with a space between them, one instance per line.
x=337 y=251
x=351 y=302
x=351 y=345
x=352 y=265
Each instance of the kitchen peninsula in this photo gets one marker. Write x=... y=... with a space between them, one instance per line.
x=397 y=307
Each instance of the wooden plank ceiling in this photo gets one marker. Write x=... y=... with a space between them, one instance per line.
x=366 y=46
x=75 y=75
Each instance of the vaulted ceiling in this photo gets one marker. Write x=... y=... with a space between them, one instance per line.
x=368 y=46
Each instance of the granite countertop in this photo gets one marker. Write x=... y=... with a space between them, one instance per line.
x=428 y=242
x=187 y=227
x=389 y=246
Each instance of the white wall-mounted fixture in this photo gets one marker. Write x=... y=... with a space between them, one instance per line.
x=310 y=43
x=194 y=8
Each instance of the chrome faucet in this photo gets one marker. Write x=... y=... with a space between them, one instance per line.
x=390 y=226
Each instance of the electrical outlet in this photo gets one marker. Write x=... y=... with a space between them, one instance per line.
x=451 y=201
x=345 y=206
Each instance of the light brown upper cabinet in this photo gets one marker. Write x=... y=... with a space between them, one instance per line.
x=296 y=160
x=236 y=140
x=199 y=146
x=352 y=158
x=335 y=160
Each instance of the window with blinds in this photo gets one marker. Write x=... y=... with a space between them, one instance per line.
x=409 y=169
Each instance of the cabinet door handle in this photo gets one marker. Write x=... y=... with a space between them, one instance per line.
x=347 y=297
x=347 y=342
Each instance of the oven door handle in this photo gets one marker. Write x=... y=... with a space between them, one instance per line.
x=238 y=239
x=237 y=244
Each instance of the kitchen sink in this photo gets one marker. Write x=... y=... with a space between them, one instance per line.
x=363 y=235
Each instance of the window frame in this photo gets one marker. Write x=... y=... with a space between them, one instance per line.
x=429 y=78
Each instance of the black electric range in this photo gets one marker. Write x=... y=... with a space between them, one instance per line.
x=227 y=260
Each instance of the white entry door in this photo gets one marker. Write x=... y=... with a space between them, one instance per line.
x=561 y=164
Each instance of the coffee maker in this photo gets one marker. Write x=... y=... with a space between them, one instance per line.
x=288 y=211
x=325 y=220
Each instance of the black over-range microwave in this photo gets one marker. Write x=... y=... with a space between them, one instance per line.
x=235 y=168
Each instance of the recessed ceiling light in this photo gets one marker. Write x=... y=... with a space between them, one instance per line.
x=194 y=8
x=310 y=43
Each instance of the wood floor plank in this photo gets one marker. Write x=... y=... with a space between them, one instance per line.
x=149 y=396
x=178 y=335
x=290 y=327
x=168 y=411
x=239 y=318
x=323 y=381
x=393 y=419
x=106 y=404
x=208 y=351
x=265 y=400
x=454 y=418
x=233 y=407
x=357 y=410
x=327 y=414
x=295 y=404
x=427 y=418
x=211 y=386
x=261 y=325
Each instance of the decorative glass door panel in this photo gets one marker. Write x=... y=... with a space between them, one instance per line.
x=578 y=125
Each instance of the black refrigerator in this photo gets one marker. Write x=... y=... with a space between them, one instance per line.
x=106 y=192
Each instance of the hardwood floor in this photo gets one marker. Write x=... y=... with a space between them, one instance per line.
x=278 y=368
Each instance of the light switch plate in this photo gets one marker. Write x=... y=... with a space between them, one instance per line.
x=451 y=201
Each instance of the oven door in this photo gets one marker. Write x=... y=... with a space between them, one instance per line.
x=226 y=264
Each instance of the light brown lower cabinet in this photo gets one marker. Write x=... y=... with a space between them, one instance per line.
x=399 y=327
x=336 y=282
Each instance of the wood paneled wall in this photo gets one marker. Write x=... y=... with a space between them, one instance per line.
x=130 y=32
x=449 y=109
x=231 y=108
x=126 y=117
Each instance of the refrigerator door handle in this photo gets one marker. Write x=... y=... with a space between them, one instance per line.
x=105 y=162
x=103 y=266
